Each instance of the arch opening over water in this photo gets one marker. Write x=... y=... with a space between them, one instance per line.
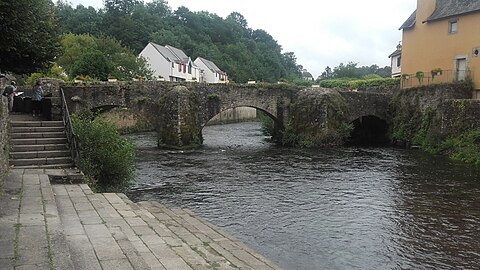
x=269 y=123
x=369 y=131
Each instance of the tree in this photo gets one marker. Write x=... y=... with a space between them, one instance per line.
x=245 y=54
x=29 y=35
x=98 y=58
x=80 y=20
x=121 y=6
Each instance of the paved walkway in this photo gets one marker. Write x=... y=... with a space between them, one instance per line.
x=45 y=226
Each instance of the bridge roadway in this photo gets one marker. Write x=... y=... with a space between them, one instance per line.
x=44 y=226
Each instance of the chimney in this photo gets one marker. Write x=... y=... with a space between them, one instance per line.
x=425 y=9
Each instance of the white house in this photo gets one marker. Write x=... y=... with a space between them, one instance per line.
x=170 y=63
x=209 y=72
x=396 y=62
x=307 y=76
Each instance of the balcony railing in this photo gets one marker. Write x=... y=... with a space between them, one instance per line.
x=428 y=78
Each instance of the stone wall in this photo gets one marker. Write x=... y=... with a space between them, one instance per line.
x=4 y=138
x=458 y=116
x=424 y=115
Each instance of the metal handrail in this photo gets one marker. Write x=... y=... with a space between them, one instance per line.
x=71 y=136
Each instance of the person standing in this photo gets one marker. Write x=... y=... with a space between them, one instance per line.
x=9 y=92
x=37 y=98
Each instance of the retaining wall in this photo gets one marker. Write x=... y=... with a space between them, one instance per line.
x=4 y=138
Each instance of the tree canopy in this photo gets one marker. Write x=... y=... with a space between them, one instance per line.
x=244 y=53
x=29 y=35
x=99 y=57
x=351 y=70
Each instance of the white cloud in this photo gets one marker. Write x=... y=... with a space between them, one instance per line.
x=321 y=33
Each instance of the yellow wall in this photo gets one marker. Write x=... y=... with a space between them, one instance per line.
x=429 y=45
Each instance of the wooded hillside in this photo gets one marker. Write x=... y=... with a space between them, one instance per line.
x=244 y=53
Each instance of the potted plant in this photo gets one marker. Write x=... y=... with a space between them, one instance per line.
x=79 y=79
x=436 y=72
x=420 y=75
x=405 y=76
x=111 y=78
x=138 y=78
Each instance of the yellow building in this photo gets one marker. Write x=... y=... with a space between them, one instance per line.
x=441 y=43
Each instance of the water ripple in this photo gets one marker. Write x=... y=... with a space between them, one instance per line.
x=338 y=208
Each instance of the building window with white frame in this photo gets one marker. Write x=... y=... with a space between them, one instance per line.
x=453 y=26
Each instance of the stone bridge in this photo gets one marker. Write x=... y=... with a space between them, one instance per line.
x=179 y=111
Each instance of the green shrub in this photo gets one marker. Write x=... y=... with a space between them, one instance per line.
x=268 y=125
x=465 y=147
x=348 y=83
x=106 y=159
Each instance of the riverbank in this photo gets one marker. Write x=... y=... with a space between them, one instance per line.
x=45 y=226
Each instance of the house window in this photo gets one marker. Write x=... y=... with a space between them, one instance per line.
x=453 y=27
x=173 y=65
x=399 y=61
x=190 y=68
x=184 y=68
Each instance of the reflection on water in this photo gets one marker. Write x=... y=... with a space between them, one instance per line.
x=337 y=208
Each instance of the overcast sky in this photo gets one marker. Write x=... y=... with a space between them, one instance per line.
x=321 y=33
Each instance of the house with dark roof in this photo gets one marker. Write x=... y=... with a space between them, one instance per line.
x=396 y=62
x=170 y=63
x=441 y=41
x=209 y=72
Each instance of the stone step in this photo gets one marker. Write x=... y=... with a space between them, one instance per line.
x=39 y=141
x=41 y=161
x=39 y=154
x=33 y=135
x=39 y=147
x=37 y=129
x=36 y=124
x=48 y=166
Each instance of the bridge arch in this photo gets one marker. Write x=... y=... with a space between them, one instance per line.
x=276 y=125
x=369 y=130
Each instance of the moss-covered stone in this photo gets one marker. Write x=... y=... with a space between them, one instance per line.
x=178 y=125
x=317 y=118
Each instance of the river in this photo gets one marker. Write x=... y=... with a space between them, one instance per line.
x=335 y=208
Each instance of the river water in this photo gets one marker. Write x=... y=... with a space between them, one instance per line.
x=337 y=208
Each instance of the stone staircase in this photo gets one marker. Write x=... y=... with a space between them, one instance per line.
x=39 y=144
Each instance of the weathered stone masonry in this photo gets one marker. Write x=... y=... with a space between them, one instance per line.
x=180 y=111
x=4 y=139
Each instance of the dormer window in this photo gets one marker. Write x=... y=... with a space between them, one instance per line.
x=453 y=26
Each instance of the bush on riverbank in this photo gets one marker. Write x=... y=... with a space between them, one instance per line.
x=106 y=159
x=465 y=148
